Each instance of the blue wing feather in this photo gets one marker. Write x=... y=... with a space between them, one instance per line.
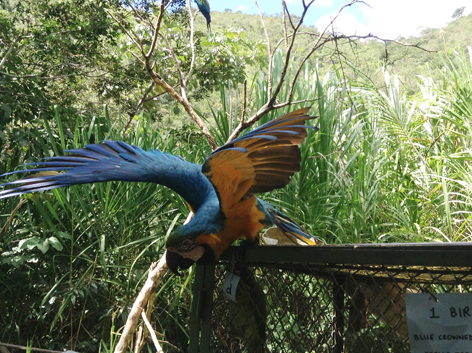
x=115 y=161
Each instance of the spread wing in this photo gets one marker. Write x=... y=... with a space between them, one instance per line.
x=260 y=161
x=117 y=161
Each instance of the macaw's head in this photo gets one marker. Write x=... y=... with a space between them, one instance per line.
x=184 y=249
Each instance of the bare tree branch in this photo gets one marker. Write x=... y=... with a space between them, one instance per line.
x=152 y=333
x=10 y=48
x=146 y=61
x=138 y=105
x=176 y=61
x=269 y=105
x=130 y=36
x=156 y=273
x=156 y=32
x=185 y=103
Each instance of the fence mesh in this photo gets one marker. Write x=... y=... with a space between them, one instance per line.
x=312 y=307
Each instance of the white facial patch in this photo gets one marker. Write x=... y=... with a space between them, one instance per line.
x=195 y=254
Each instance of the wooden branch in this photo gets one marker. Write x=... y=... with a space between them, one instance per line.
x=138 y=105
x=287 y=57
x=156 y=273
x=152 y=333
x=156 y=32
x=184 y=102
x=146 y=62
x=136 y=57
x=139 y=340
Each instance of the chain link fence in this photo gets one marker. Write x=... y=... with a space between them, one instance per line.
x=320 y=299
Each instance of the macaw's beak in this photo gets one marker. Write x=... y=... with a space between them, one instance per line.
x=175 y=260
x=203 y=255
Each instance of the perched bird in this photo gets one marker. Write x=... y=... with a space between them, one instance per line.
x=220 y=192
x=204 y=7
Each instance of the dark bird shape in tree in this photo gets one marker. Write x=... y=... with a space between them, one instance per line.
x=221 y=192
x=204 y=7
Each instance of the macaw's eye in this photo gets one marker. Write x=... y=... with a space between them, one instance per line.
x=186 y=244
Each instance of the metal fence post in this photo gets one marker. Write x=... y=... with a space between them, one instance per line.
x=200 y=321
x=338 y=304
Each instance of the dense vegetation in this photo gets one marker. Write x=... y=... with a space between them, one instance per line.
x=389 y=164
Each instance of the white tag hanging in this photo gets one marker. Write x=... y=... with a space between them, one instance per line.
x=230 y=285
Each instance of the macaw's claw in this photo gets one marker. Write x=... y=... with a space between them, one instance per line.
x=174 y=261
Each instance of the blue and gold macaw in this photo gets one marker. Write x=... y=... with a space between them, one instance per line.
x=204 y=7
x=220 y=192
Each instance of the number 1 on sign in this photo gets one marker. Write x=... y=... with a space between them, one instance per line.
x=433 y=314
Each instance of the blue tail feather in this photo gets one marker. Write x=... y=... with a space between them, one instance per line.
x=292 y=230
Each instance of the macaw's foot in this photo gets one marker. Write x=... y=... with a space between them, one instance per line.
x=245 y=245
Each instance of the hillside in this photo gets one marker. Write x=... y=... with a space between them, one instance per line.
x=369 y=56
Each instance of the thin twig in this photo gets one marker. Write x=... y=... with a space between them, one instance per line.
x=286 y=103
x=319 y=43
x=130 y=36
x=7 y=54
x=269 y=105
x=10 y=219
x=136 y=12
x=137 y=57
x=138 y=105
x=192 y=45
x=152 y=333
x=271 y=56
x=156 y=32
x=243 y=115
x=176 y=61
x=284 y=21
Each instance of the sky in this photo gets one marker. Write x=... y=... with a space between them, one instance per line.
x=387 y=18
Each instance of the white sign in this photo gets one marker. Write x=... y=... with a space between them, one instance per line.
x=440 y=323
x=230 y=285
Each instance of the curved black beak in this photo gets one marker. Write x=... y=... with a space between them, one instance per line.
x=176 y=261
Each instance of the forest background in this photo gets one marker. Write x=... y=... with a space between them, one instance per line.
x=391 y=162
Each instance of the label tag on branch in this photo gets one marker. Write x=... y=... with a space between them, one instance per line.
x=439 y=322
x=230 y=285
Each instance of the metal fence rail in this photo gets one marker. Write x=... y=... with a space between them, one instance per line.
x=348 y=298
